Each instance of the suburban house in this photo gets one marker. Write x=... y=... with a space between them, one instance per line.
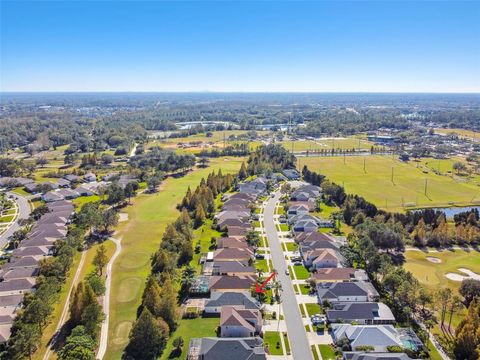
x=237 y=231
x=306 y=192
x=310 y=204
x=240 y=322
x=225 y=223
x=363 y=313
x=231 y=254
x=314 y=236
x=322 y=258
x=305 y=226
x=319 y=244
x=232 y=268
x=232 y=214
x=72 y=178
x=231 y=242
x=90 y=177
x=16 y=286
x=380 y=337
x=231 y=283
x=211 y=348
x=339 y=275
x=255 y=187
x=241 y=300
x=298 y=209
x=358 y=291
x=291 y=174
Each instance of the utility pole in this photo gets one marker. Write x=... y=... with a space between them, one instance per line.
x=224 y=144
x=426 y=184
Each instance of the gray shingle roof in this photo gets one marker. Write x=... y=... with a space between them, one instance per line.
x=232 y=299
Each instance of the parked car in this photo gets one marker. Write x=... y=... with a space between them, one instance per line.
x=318 y=319
x=297 y=263
x=259 y=256
x=287 y=272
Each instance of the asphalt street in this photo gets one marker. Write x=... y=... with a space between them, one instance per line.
x=293 y=319
x=23 y=213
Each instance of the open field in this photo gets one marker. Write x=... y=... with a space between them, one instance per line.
x=462 y=133
x=141 y=236
x=408 y=184
x=353 y=142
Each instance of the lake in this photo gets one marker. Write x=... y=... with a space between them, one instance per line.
x=451 y=211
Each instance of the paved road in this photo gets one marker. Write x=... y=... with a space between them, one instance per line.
x=293 y=319
x=66 y=308
x=23 y=213
x=102 y=348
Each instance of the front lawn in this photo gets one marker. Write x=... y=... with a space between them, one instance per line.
x=291 y=246
x=301 y=272
x=284 y=227
x=272 y=341
x=313 y=308
x=304 y=289
x=327 y=352
x=262 y=265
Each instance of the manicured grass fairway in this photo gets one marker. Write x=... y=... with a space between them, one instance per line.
x=407 y=188
x=141 y=236
x=432 y=275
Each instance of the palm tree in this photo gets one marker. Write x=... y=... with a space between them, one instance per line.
x=455 y=304
x=277 y=288
x=187 y=280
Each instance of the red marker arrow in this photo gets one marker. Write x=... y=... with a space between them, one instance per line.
x=260 y=288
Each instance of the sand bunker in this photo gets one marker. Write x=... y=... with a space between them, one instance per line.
x=122 y=217
x=434 y=259
x=469 y=274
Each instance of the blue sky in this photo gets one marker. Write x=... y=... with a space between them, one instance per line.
x=405 y=46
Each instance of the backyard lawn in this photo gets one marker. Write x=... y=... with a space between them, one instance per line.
x=407 y=188
x=140 y=237
x=188 y=329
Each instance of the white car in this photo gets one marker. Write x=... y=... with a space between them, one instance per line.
x=287 y=272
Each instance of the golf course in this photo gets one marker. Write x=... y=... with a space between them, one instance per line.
x=393 y=184
x=431 y=268
x=140 y=237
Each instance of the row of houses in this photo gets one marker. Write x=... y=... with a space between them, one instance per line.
x=350 y=299
x=230 y=274
x=302 y=203
x=17 y=277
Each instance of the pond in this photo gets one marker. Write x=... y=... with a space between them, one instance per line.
x=451 y=211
